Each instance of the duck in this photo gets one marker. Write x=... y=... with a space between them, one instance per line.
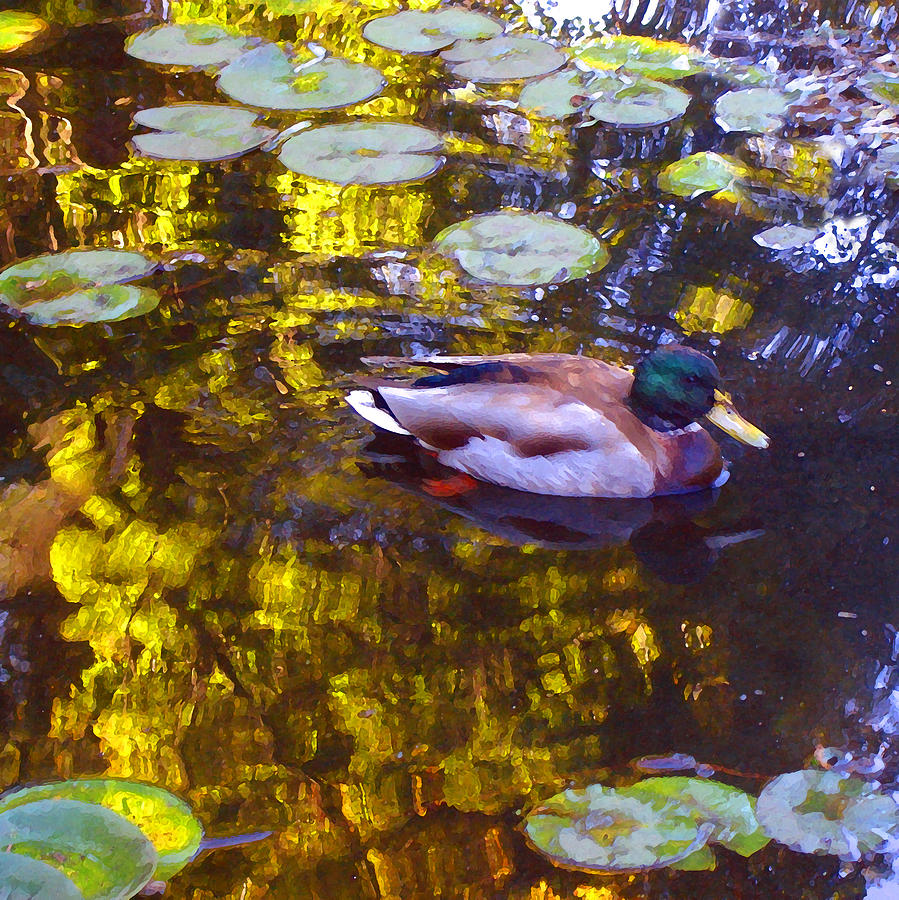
x=563 y=425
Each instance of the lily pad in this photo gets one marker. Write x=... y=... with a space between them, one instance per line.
x=729 y=809
x=827 y=813
x=72 y=287
x=364 y=153
x=701 y=173
x=18 y=28
x=166 y=820
x=514 y=247
x=503 y=58
x=191 y=45
x=414 y=31
x=105 y=856
x=599 y=829
x=880 y=86
x=662 y=60
x=785 y=237
x=759 y=110
x=269 y=77
x=199 y=131
x=637 y=103
x=24 y=878
x=561 y=94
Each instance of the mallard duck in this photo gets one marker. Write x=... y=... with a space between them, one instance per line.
x=568 y=426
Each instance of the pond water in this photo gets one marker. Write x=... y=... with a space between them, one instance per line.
x=214 y=581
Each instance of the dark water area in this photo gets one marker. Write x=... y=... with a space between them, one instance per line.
x=214 y=581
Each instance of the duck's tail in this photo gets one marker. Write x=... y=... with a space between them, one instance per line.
x=365 y=403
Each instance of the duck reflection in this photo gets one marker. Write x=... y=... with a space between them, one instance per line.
x=660 y=530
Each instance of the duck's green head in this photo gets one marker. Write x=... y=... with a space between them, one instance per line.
x=674 y=386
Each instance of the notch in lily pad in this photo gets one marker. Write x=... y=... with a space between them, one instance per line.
x=270 y=77
x=759 y=110
x=364 y=153
x=199 y=131
x=166 y=820
x=599 y=829
x=827 y=813
x=518 y=248
x=608 y=97
x=190 y=45
x=415 y=31
x=661 y=60
x=503 y=58
x=77 y=287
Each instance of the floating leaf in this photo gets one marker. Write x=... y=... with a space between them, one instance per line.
x=166 y=820
x=364 y=153
x=413 y=31
x=24 y=878
x=662 y=60
x=199 y=131
x=607 y=97
x=106 y=856
x=269 y=77
x=880 y=86
x=759 y=110
x=504 y=58
x=514 y=247
x=192 y=45
x=825 y=812
x=729 y=809
x=18 y=28
x=600 y=829
x=701 y=173
x=785 y=237
x=73 y=287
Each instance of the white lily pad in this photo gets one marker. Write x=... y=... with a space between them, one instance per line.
x=414 y=31
x=269 y=77
x=785 y=237
x=166 y=820
x=759 y=110
x=821 y=812
x=364 y=153
x=199 y=131
x=191 y=45
x=729 y=809
x=600 y=829
x=101 y=852
x=662 y=60
x=24 y=878
x=503 y=58
x=701 y=173
x=514 y=247
x=19 y=28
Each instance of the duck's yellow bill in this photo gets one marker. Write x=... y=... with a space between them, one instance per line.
x=724 y=416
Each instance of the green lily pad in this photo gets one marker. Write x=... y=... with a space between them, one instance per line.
x=105 y=856
x=759 y=110
x=18 y=28
x=608 y=97
x=191 y=45
x=729 y=809
x=880 y=86
x=73 y=287
x=364 y=153
x=268 y=77
x=513 y=247
x=662 y=60
x=701 y=173
x=166 y=820
x=827 y=813
x=414 y=31
x=199 y=131
x=24 y=878
x=503 y=58
x=600 y=829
